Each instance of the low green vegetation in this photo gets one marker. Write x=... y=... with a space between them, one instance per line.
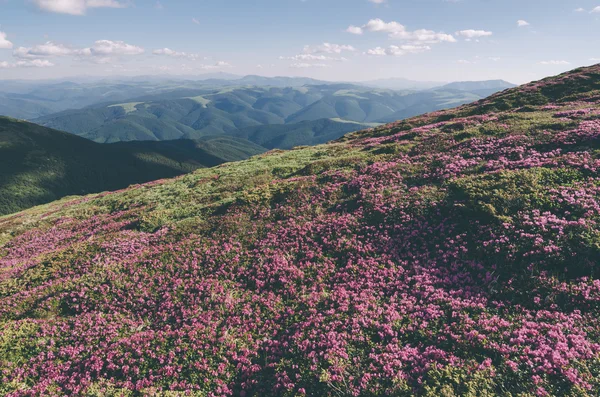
x=450 y=254
x=38 y=165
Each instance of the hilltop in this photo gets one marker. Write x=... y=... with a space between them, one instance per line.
x=39 y=165
x=449 y=254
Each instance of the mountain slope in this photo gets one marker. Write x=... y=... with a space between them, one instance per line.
x=450 y=254
x=38 y=165
x=402 y=84
x=299 y=134
x=425 y=102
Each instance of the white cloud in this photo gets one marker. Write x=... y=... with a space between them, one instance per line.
x=194 y=20
x=354 y=29
x=522 y=22
x=327 y=48
x=4 y=43
x=217 y=65
x=73 y=7
x=473 y=34
x=304 y=65
x=169 y=52
x=27 y=63
x=378 y=25
x=398 y=31
x=76 y=7
x=495 y=59
x=319 y=53
x=312 y=57
x=427 y=36
x=464 y=62
x=175 y=54
x=555 y=62
x=50 y=49
x=47 y=49
x=102 y=52
x=110 y=48
x=22 y=52
x=105 y=4
x=377 y=51
x=377 y=1
x=35 y=63
x=592 y=11
x=394 y=50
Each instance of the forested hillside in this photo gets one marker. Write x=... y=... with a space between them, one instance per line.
x=39 y=165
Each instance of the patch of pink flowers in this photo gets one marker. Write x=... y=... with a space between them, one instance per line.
x=365 y=281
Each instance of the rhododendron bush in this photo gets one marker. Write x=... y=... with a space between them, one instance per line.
x=456 y=253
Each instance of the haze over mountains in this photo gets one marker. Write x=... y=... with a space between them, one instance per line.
x=27 y=99
x=109 y=112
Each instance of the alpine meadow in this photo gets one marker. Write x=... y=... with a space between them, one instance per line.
x=253 y=215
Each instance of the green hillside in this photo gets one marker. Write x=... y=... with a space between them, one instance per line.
x=38 y=165
x=451 y=254
x=190 y=113
x=303 y=133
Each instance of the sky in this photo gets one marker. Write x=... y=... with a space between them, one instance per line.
x=336 y=40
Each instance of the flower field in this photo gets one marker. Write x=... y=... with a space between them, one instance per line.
x=452 y=254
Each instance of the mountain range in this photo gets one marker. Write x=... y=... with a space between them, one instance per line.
x=190 y=113
x=450 y=254
x=25 y=99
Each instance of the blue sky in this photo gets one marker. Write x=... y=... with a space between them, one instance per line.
x=441 y=40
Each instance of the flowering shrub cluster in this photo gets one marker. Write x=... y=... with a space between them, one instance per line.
x=450 y=254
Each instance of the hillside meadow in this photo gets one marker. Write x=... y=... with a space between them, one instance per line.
x=449 y=254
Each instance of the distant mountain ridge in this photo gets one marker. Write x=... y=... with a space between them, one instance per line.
x=478 y=85
x=31 y=99
x=189 y=113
